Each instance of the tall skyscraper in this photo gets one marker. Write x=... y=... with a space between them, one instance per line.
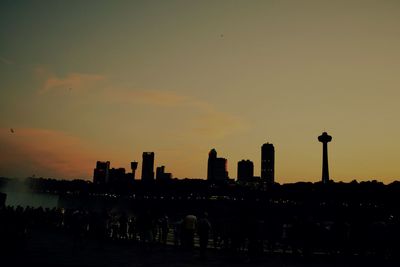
x=148 y=166
x=217 y=167
x=268 y=163
x=101 y=172
x=245 y=170
x=212 y=156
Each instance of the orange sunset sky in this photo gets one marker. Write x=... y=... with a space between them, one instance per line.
x=82 y=81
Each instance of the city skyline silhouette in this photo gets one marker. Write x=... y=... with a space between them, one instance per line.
x=199 y=133
x=217 y=168
x=82 y=82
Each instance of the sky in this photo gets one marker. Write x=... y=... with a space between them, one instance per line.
x=82 y=81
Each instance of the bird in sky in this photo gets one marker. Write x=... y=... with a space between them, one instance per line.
x=11 y=130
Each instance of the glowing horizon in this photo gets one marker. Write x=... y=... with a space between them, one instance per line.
x=88 y=81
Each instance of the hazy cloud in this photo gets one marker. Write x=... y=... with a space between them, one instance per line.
x=6 y=61
x=148 y=97
x=217 y=124
x=207 y=120
x=73 y=81
x=43 y=152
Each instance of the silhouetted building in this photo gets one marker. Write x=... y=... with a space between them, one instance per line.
x=101 y=172
x=159 y=172
x=117 y=176
x=221 y=169
x=134 y=165
x=161 y=175
x=217 y=167
x=268 y=163
x=325 y=139
x=148 y=166
x=245 y=170
x=212 y=156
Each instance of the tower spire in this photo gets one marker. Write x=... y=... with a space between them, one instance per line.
x=325 y=139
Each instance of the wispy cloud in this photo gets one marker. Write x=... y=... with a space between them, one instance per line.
x=148 y=97
x=207 y=120
x=217 y=124
x=44 y=152
x=74 y=81
x=6 y=61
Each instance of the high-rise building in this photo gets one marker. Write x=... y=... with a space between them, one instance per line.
x=148 y=166
x=160 y=172
x=245 y=170
x=268 y=163
x=101 y=172
x=161 y=175
x=221 y=169
x=217 y=167
x=212 y=156
x=117 y=176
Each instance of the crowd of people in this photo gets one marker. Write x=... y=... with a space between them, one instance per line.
x=144 y=228
x=239 y=233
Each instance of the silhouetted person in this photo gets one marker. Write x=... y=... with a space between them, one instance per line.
x=100 y=227
x=238 y=235
x=145 y=224
x=78 y=227
x=203 y=230
x=164 y=227
x=123 y=226
x=132 y=228
x=114 y=227
x=255 y=247
x=189 y=227
x=178 y=232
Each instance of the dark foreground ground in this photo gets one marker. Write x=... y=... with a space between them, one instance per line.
x=52 y=248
